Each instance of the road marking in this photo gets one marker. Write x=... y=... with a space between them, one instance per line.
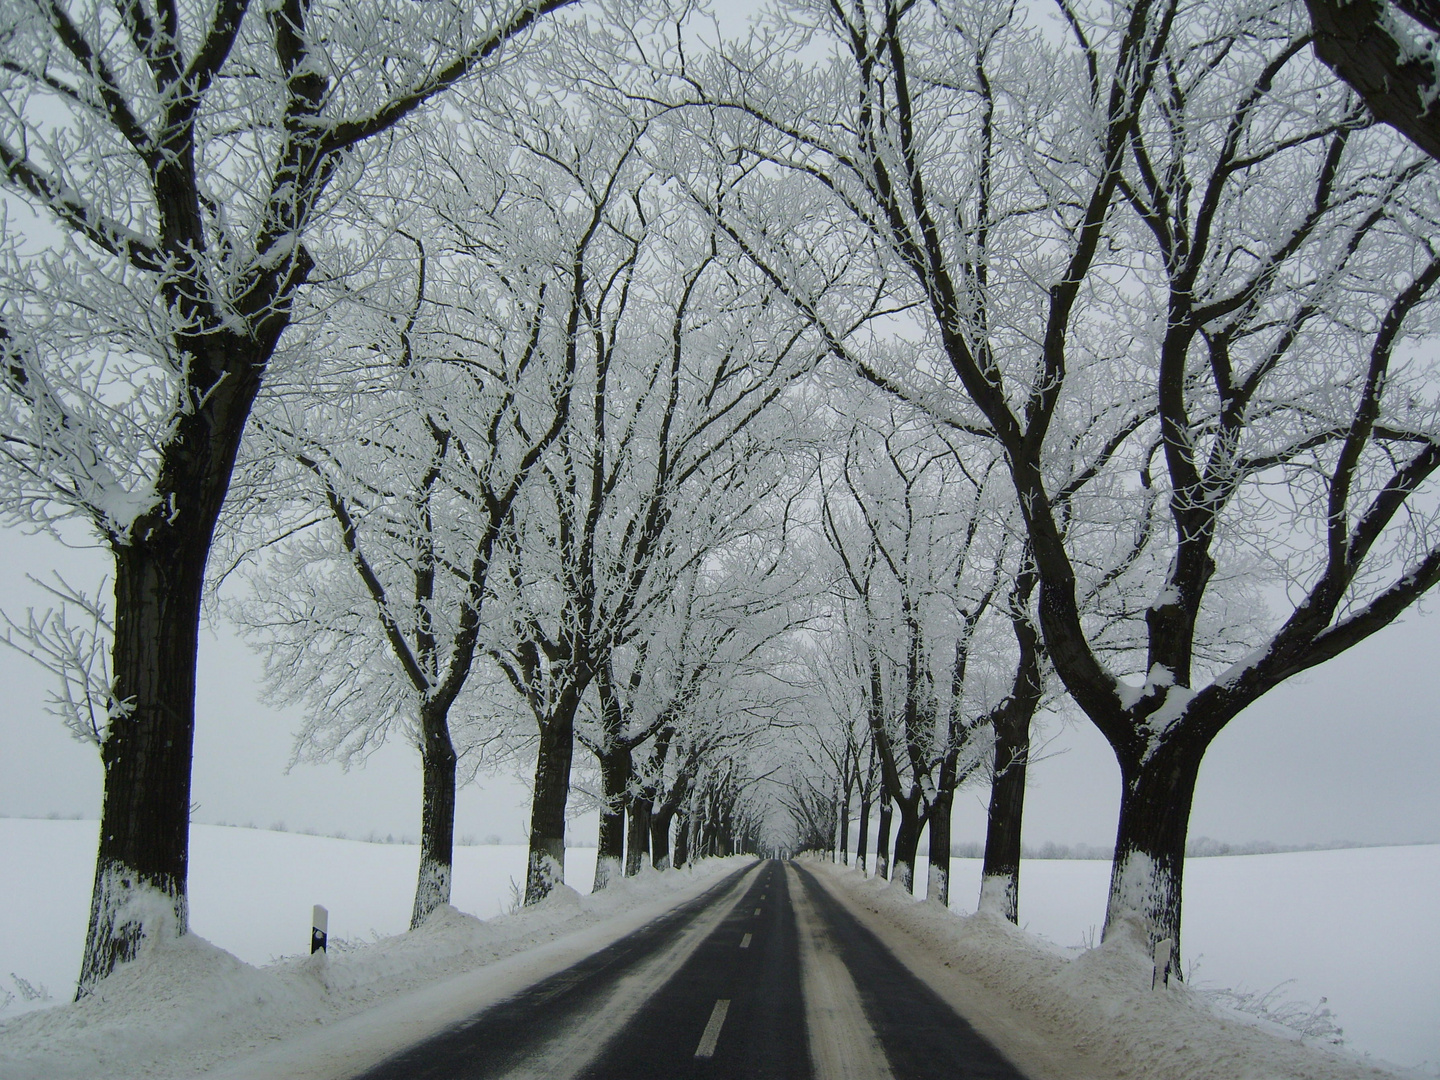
x=757 y=911
x=712 y=1029
x=745 y=942
x=568 y=1053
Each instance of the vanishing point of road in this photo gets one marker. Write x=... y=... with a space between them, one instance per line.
x=765 y=975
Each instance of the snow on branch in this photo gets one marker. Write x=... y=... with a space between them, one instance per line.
x=72 y=642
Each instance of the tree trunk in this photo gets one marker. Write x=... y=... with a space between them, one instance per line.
x=546 y=864
x=861 y=840
x=882 y=838
x=844 y=857
x=682 y=838
x=1145 y=878
x=907 y=842
x=1000 y=877
x=660 y=838
x=637 y=845
x=937 y=884
x=142 y=861
x=437 y=817
x=615 y=772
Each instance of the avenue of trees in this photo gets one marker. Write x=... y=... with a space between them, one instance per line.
x=755 y=433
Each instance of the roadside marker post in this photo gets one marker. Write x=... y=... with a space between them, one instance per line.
x=319 y=924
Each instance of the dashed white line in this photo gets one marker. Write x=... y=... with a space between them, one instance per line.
x=757 y=911
x=712 y=1029
x=745 y=941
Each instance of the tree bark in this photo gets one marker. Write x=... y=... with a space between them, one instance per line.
x=1145 y=878
x=1000 y=875
x=637 y=846
x=937 y=883
x=142 y=861
x=1352 y=38
x=660 y=838
x=616 y=768
x=907 y=843
x=861 y=840
x=145 y=816
x=682 y=838
x=546 y=864
x=437 y=816
x=882 y=838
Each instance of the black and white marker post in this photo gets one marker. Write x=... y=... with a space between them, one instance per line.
x=319 y=923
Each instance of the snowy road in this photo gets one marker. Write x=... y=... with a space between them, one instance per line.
x=765 y=975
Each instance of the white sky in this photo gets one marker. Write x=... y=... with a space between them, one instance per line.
x=1349 y=752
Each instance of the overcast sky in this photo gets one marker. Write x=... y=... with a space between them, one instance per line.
x=1349 y=752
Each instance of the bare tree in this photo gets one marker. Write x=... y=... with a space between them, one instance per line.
x=1220 y=339
x=184 y=153
x=435 y=408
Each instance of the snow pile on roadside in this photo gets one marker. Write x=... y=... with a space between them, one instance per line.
x=1100 y=1002
x=185 y=1006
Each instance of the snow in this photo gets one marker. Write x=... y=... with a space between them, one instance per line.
x=1354 y=926
x=1141 y=889
x=202 y=1003
x=1352 y=930
x=1099 y=1003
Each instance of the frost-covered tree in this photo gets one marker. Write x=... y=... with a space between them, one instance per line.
x=669 y=448
x=178 y=157
x=393 y=458
x=1173 y=256
x=694 y=677
x=920 y=557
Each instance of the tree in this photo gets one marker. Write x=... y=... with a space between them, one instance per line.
x=920 y=561
x=696 y=677
x=1385 y=50
x=1254 y=343
x=412 y=473
x=184 y=156
x=667 y=453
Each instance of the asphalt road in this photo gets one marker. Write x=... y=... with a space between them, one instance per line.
x=765 y=975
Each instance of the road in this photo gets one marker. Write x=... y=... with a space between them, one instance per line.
x=765 y=975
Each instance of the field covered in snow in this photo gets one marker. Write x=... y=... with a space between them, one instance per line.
x=1355 y=926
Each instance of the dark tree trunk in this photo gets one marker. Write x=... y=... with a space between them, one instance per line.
x=637 y=845
x=145 y=816
x=907 y=843
x=615 y=772
x=437 y=817
x=882 y=837
x=682 y=838
x=546 y=864
x=146 y=755
x=937 y=885
x=1145 y=877
x=845 y=826
x=1000 y=878
x=660 y=837
x=862 y=839
x=1353 y=38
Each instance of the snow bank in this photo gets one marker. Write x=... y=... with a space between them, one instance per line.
x=1099 y=1002
x=185 y=1006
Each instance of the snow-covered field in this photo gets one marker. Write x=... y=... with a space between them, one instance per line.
x=251 y=891
x=1355 y=926
x=1358 y=928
